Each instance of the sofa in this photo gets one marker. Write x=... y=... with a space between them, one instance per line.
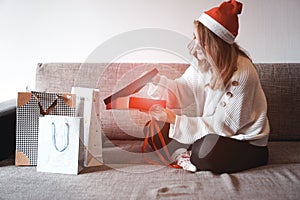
x=124 y=173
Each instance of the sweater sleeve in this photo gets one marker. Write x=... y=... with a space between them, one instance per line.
x=178 y=93
x=187 y=130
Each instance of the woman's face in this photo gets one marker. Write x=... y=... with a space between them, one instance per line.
x=198 y=52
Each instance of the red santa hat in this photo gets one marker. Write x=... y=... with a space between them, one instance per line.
x=223 y=20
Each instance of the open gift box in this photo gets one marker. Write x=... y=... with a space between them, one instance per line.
x=122 y=99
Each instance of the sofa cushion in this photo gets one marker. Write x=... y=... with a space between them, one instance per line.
x=278 y=181
x=108 y=78
x=279 y=81
x=284 y=152
x=129 y=151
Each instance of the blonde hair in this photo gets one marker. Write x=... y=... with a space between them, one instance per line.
x=223 y=55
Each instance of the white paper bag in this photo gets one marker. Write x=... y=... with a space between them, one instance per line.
x=60 y=149
x=85 y=98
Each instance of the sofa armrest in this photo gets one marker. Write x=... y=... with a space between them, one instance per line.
x=8 y=128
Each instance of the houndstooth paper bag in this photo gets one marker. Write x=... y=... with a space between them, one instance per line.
x=31 y=106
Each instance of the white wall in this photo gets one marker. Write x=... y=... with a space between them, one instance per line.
x=34 y=31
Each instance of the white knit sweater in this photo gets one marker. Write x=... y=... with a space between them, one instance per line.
x=239 y=112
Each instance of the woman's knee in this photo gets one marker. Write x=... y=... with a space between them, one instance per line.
x=205 y=153
x=204 y=147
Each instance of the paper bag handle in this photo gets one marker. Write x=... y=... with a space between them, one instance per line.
x=48 y=110
x=66 y=133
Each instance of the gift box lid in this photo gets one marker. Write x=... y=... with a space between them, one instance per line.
x=133 y=87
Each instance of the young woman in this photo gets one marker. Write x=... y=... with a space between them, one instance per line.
x=231 y=129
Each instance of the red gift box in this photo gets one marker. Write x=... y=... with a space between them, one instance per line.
x=142 y=104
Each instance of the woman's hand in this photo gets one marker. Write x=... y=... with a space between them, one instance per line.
x=162 y=114
x=155 y=80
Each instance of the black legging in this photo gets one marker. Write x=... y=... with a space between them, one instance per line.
x=217 y=153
